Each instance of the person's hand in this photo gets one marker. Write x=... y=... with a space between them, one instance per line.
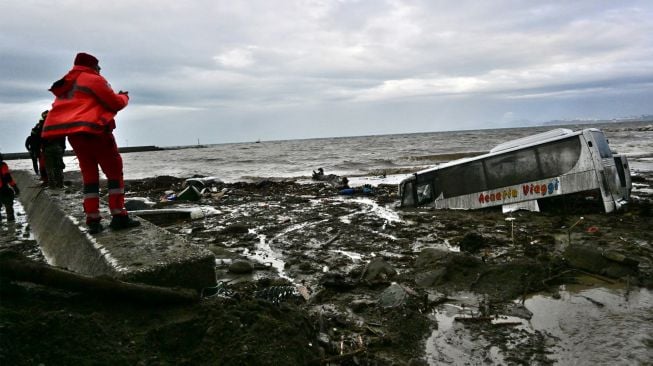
x=16 y=190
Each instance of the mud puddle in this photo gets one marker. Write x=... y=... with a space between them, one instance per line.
x=17 y=235
x=580 y=324
x=601 y=326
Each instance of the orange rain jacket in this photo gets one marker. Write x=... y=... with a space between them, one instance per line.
x=5 y=176
x=84 y=103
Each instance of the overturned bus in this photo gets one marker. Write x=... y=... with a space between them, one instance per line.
x=518 y=173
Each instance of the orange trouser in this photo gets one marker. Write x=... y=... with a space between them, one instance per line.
x=91 y=151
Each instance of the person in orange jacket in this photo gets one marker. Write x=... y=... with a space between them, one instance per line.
x=84 y=110
x=8 y=189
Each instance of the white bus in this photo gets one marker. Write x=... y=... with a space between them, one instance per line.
x=518 y=173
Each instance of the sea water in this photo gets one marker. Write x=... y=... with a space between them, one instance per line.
x=366 y=159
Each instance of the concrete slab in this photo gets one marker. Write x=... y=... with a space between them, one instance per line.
x=146 y=254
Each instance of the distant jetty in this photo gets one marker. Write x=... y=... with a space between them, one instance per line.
x=125 y=150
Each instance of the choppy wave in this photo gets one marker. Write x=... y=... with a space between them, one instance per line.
x=348 y=156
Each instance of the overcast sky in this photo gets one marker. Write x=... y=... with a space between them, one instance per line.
x=232 y=71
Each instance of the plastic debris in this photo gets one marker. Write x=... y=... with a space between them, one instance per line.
x=190 y=193
x=277 y=294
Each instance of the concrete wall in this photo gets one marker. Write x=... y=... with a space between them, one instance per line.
x=146 y=254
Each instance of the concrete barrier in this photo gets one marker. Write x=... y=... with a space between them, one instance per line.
x=146 y=254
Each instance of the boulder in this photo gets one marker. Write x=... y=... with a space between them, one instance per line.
x=241 y=266
x=430 y=257
x=378 y=270
x=394 y=295
x=431 y=278
x=592 y=259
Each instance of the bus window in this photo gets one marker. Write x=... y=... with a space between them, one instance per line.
x=559 y=157
x=462 y=179
x=512 y=168
x=602 y=144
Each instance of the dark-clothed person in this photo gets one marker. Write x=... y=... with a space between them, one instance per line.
x=8 y=189
x=84 y=110
x=34 y=145
x=53 y=150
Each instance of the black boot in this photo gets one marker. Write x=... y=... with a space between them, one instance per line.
x=123 y=222
x=95 y=227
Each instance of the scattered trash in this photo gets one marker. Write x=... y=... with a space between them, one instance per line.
x=138 y=203
x=571 y=227
x=277 y=294
x=190 y=193
x=365 y=190
x=332 y=179
x=219 y=290
x=592 y=229
x=201 y=183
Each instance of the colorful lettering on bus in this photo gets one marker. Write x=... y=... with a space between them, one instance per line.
x=545 y=188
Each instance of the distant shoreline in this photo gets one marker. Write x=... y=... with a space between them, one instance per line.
x=124 y=150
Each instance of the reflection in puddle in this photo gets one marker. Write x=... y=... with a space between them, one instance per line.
x=597 y=326
x=18 y=229
x=584 y=326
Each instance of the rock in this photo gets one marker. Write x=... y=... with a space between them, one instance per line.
x=393 y=296
x=592 y=260
x=378 y=270
x=472 y=242
x=431 y=278
x=430 y=257
x=620 y=258
x=337 y=281
x=241 y=267
x=361 y=304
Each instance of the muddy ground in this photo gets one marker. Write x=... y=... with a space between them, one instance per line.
x=307 y=276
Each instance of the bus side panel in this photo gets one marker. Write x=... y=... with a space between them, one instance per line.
x=584 y=178
x=541 y=189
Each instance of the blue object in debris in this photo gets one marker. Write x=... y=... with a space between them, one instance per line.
x=366 y=191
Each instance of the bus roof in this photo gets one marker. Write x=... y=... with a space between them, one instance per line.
x=520 y=143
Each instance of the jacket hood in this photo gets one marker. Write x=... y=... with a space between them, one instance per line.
x=65 y=85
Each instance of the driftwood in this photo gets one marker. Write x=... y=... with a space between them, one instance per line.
x=16 y=267
x=334 y=238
